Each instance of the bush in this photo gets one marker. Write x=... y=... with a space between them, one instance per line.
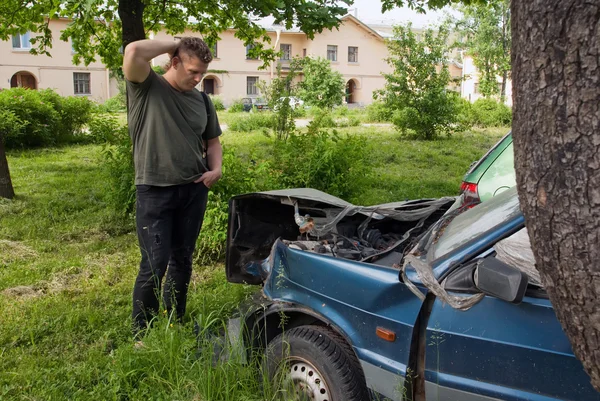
x=217 y=102
x=104 y=128
x=379 y=112
x=326 y=161
x=490 y=113
x=350 y=121
x=118 y=156
x=115 y=104
x=237 y=106
x=11 y=125
x=252 y=121
x=40 y=118
x=75 y=114
x=46 y=118
x=239 y=176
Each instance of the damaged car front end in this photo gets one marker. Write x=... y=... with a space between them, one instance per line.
x=364 y=303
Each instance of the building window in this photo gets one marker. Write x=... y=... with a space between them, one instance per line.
x=251 y=88
x=213 y=50
x=81 y=83
x=476 y=88
x=331 y=53
x=352 y=54
x=303 y=52
x=248 y=57
x=286 y=52
x=22 y=41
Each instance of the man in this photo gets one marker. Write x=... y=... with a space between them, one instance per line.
x=177 y=156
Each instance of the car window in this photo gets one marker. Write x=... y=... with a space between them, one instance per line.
x=474 y=222
x=499 y=176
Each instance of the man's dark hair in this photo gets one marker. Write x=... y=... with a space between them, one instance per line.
x=194 y=47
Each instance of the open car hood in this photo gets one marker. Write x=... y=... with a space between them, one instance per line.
x=312 y=220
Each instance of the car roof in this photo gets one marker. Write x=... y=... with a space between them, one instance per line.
x=476 y=172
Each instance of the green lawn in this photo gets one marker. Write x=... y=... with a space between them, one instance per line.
x=67 y=266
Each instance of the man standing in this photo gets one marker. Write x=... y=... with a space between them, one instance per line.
x=177 y=156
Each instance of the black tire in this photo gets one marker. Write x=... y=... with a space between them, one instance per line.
x=317 y=363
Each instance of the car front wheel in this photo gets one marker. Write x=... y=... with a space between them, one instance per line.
x=315 y=363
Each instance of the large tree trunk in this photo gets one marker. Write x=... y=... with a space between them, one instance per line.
x=6 y=188
x=131 y=13
x=556 y=52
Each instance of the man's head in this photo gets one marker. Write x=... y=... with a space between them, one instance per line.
x=189 y=63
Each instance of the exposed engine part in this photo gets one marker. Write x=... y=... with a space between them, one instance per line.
x=375 y=239
x=348 y=254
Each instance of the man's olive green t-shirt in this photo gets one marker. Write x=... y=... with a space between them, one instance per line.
x=166 y=128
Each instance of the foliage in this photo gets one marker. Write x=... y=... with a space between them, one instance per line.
x=159 y=69
x=252 y=121
x=379 y=112
x=485 y=32
x=330 y=162
x=118 y=162
x=10 y=125
x=240 y=175
x=44 y=118
x=115 y=104
x=237 y=106
x=282 y=87
x=417 y=89
x=217 y=102
x=101 y=27
x=321 y=87
x=490 y=113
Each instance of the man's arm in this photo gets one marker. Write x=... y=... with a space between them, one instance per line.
x=215 y=162
x=137 y=57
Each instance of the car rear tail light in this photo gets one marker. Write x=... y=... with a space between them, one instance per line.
x=470 y=195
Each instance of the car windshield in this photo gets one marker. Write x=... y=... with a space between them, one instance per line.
x=474 y=222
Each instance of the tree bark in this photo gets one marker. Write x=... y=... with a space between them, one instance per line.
x=131 y=13
x=556 y=75
x=6 y=188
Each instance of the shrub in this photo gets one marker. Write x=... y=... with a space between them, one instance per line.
x=239 y=176
x=46 y=118
x=75 y=114
x=326 y=161
x=104 y=128
x=490 y=113
x=379 y=112
x=252 y=121
x=217 y=102
x=350 y=121
x=118 y=162
x=237 y=106
x=40 y=118
x=115 y=104
x=10 y=126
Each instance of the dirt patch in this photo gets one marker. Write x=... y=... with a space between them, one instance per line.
x=61 y=282
x=13 y=251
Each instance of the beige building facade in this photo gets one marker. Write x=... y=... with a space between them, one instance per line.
x=355 y=49
x=19 y=68
x=470 y=84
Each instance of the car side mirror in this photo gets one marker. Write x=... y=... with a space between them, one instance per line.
x=498 y=279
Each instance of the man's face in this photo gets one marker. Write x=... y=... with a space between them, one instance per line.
x=189 y=71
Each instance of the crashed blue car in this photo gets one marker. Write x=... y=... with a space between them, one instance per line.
x=417 y=300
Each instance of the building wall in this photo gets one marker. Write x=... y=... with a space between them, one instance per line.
x=54 y=72
x=372 y=51
x=232 y=68
x=469 y=89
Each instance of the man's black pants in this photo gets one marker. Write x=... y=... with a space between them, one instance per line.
x=168 y=221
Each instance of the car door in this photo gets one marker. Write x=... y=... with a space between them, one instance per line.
x=499 y=350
